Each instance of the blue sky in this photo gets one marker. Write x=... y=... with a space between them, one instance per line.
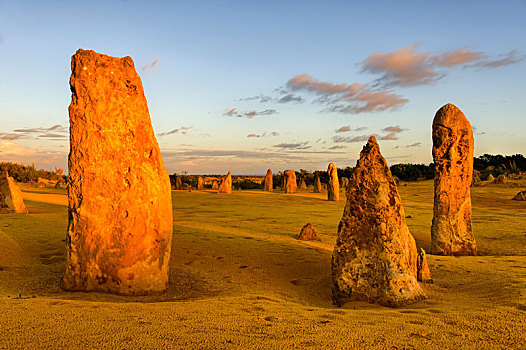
x=250 y=85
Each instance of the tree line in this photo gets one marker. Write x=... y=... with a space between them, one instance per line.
x=28 y=173
x=485 y=165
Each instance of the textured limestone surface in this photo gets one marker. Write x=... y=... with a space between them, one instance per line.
x=333 y=187
x=345 y=182
x=215 y=186
x=11 y=200
x=289 y=181
x=451 y=230
x=226 y=184
x=268 y=186
x=303 y=185
x=423 y=274
x=317 y=185
x=200 y=183
x=120 y=209
x=308 y=233
x=374 y=258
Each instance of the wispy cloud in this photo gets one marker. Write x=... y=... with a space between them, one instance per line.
x=403 y=67
x=348 y=128
x=260 y=98
x=55 y=128
x=507 y=59
x=350 y=139
x=394 y=129
x=347 y=98
x=457 y=57
x=409 y=67
x=416 y=144
x=233 y=112
x=337 y=147
x=293 y=146
x=291 y=98
x=265 y=134
x=153 y=65
x=182 y=130
x=287 y=98
x=389 y=137
x=55 y=132
x=10 y=136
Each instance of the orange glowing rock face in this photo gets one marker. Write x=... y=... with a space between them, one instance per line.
x=317 y=185
x=215 y=186
x=289 y=181
x=375 y=256
x=333 y=187
x=11 y=200
x=308 y=233
x=200 y=183
x=451 y=231
x=120 y=210
x=226 y=184
x=269 y=186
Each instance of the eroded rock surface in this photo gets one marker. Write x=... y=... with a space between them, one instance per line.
x=345 y=182
x=308 y=233
x=226 y=184
x=200 y=183
x=451 y=231
x=290 y=181
x=11 y=200
x=422 y=269
x=374 y=258
x=178 y=183
x=303 y=185
x=333 y=187
x=317 y=185
x=120 y=208
x=215 y=186
x=268 y=186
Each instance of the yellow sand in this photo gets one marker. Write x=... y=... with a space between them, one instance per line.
x=240 y=279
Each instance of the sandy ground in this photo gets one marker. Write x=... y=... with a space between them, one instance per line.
x=240 y=279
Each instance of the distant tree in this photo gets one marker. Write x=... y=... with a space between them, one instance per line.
x=413 y=172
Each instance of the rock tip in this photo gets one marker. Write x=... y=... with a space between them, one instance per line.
x=372 y=140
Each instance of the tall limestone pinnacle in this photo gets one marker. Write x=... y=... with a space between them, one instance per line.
x=375 y=255
x=451 y=230
x=11 y=199
x=226 y=184
x=289 y=181
x=268 y=185
x=120 y=210
x=333 y=187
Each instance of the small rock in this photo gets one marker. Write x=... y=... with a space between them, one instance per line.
x=501 y=179
x=308 y=233
x=521 y=196
x=423 y=274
